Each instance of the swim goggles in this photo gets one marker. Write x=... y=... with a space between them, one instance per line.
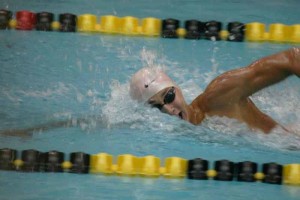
x=168 y=98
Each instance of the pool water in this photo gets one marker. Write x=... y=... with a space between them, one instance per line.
x=48 y=77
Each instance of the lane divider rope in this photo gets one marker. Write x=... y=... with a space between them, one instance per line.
x=32 y=160
x=151 y=27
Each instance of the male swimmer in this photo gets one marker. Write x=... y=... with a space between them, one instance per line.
x=227 y=95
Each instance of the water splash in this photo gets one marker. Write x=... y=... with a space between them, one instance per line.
x=121 y=109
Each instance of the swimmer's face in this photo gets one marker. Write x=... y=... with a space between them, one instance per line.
x=170 y=101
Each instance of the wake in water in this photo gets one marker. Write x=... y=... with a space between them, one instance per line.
x=213 y=129
x=281 y=102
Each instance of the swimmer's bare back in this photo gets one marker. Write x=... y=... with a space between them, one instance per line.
x=228 y=94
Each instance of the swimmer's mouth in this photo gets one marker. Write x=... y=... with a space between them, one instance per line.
x=180 y=115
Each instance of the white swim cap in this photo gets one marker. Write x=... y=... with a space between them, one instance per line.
x=147 y=82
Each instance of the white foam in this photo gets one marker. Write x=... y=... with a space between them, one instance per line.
x=282 y=105
x=58 y=89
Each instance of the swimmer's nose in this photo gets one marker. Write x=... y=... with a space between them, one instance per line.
x=168 y=108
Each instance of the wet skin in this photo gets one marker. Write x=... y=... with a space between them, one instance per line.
x=228 y=94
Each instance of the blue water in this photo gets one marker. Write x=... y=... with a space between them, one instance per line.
x=48 y=77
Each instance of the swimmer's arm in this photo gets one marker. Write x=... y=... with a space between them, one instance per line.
x=27 y=132
x=238 y=84
x=270 y=70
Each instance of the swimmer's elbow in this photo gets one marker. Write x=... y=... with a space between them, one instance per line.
x=295 y=60
x=296 y=50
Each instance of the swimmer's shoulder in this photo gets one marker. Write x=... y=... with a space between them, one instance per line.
x=200 y=103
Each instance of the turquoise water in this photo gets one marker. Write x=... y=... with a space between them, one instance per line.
x=48 y=77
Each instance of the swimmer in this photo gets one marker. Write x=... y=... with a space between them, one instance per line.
x=228 y=95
